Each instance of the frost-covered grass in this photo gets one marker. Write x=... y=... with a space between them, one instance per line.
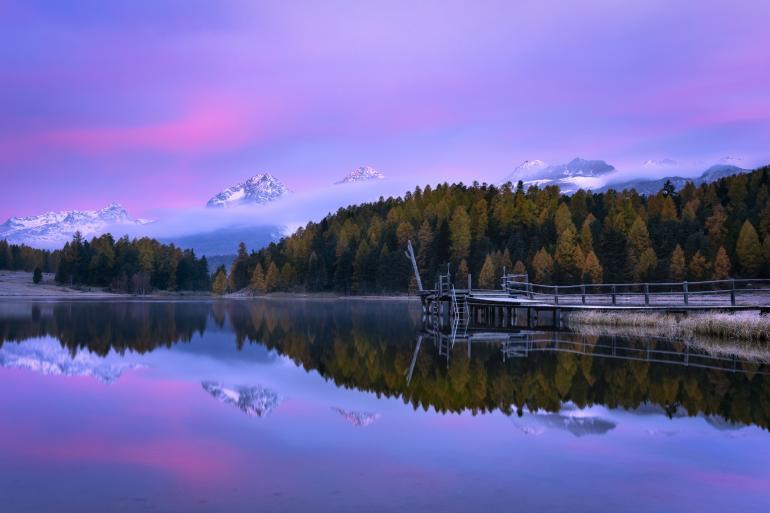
x=747 y=326
x=743 y=334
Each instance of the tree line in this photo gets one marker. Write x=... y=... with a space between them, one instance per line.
x=712 y=231
x=136 y=266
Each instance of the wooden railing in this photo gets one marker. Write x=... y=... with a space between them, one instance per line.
x=696 y=293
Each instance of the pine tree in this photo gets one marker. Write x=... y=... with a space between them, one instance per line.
x=460 y=234
x=698 y=267
x=461 y=276
x=721 y=265
x=487 y=275
x=37 y=275
x=219 y=286
x=678 y=268
x=648 y=261
x=592 y=269
x=749 y=251
x=542 y=266
x=257 y=282
x=519 y=267
x=567 y=266
x=273 y=278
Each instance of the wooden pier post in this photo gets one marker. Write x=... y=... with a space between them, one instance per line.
x=646 y=294
x=583 y=292
x=685 y=291
x=732 y=292
x=556 y=295
x=614 y=300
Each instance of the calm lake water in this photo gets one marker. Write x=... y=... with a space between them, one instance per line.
x=348 y=406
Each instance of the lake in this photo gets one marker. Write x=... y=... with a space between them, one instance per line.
x=333 y=405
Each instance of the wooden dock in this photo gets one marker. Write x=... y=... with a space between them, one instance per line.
x=520 y=303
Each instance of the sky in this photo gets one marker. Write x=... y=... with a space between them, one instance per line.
x=162 y=104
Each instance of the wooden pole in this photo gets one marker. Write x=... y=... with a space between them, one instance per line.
x=732 y=292
x=685 y=291
x=646 y=294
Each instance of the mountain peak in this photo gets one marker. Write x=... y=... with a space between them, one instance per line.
x=53 y=229
x=259 y=189
x=362 y=174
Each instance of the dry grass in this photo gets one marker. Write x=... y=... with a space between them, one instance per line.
x=742 y=334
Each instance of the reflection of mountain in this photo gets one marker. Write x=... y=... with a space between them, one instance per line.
x=254 y=401
x=48 y=357
x=573 y=420
x=358 y=418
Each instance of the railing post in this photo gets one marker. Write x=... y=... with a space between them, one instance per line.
x=469 y=283
x=556 y=295
x=732 y=292
x=685 y=291
x=529 y=289
x=614 y=299
x=646 y=294
x=583 y=292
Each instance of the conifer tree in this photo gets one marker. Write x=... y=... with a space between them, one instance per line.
x=678 y=268
x=460 y=234
x=219 y=287
x=272 y=278
x=519 y=267
x=487 y=275
x=698 y=267
x=461 y=276
x=592 y=269
x=37 y=275
x=749 y=251
x=721 y=265
x=257 y=282
x=542 y=266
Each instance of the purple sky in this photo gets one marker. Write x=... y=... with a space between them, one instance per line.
x=162 y=104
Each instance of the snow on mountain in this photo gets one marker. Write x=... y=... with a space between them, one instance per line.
x=47 y=356
x=362 y=174
x=571 y=419
x=254 y=401
x=53 y=229
x=358 y=418
x=576 y=174
x=259 y=189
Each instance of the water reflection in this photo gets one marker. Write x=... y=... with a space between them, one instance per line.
x=383 y=348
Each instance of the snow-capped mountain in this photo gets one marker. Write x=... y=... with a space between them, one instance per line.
x=362 y=174
x=259 y=189
x=47 y=356
x=53 y=229
x=653 y=186
x=576 y=174
x=254 y=401
x=570 y=418
x=358 y=418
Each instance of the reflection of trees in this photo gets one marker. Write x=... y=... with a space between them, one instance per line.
x=369 y=346
x=101 y=327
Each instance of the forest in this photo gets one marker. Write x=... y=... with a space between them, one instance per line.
x=713 y=231
x=136 y=266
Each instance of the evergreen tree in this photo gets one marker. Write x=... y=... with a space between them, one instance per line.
x=678 y=267
x=460 y=234
x=37 y=275
x=721 y=265
x=219 y=287
x=542 y=266
x=257 y=282
x=273 y=278
x=592 y=269
x=487 y=274
x=461 y=276
x=698 y=267
x=749 y=251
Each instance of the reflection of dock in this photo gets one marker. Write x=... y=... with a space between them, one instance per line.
x=524 y=344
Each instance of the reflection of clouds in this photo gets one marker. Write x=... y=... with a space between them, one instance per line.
x=661 y=433
x=254 y=401
x=48 y=357
x=358 y=418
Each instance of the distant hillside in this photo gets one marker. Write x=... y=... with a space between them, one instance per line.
x=712 y=230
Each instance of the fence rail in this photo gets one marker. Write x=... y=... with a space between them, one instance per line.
x=713 y=292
